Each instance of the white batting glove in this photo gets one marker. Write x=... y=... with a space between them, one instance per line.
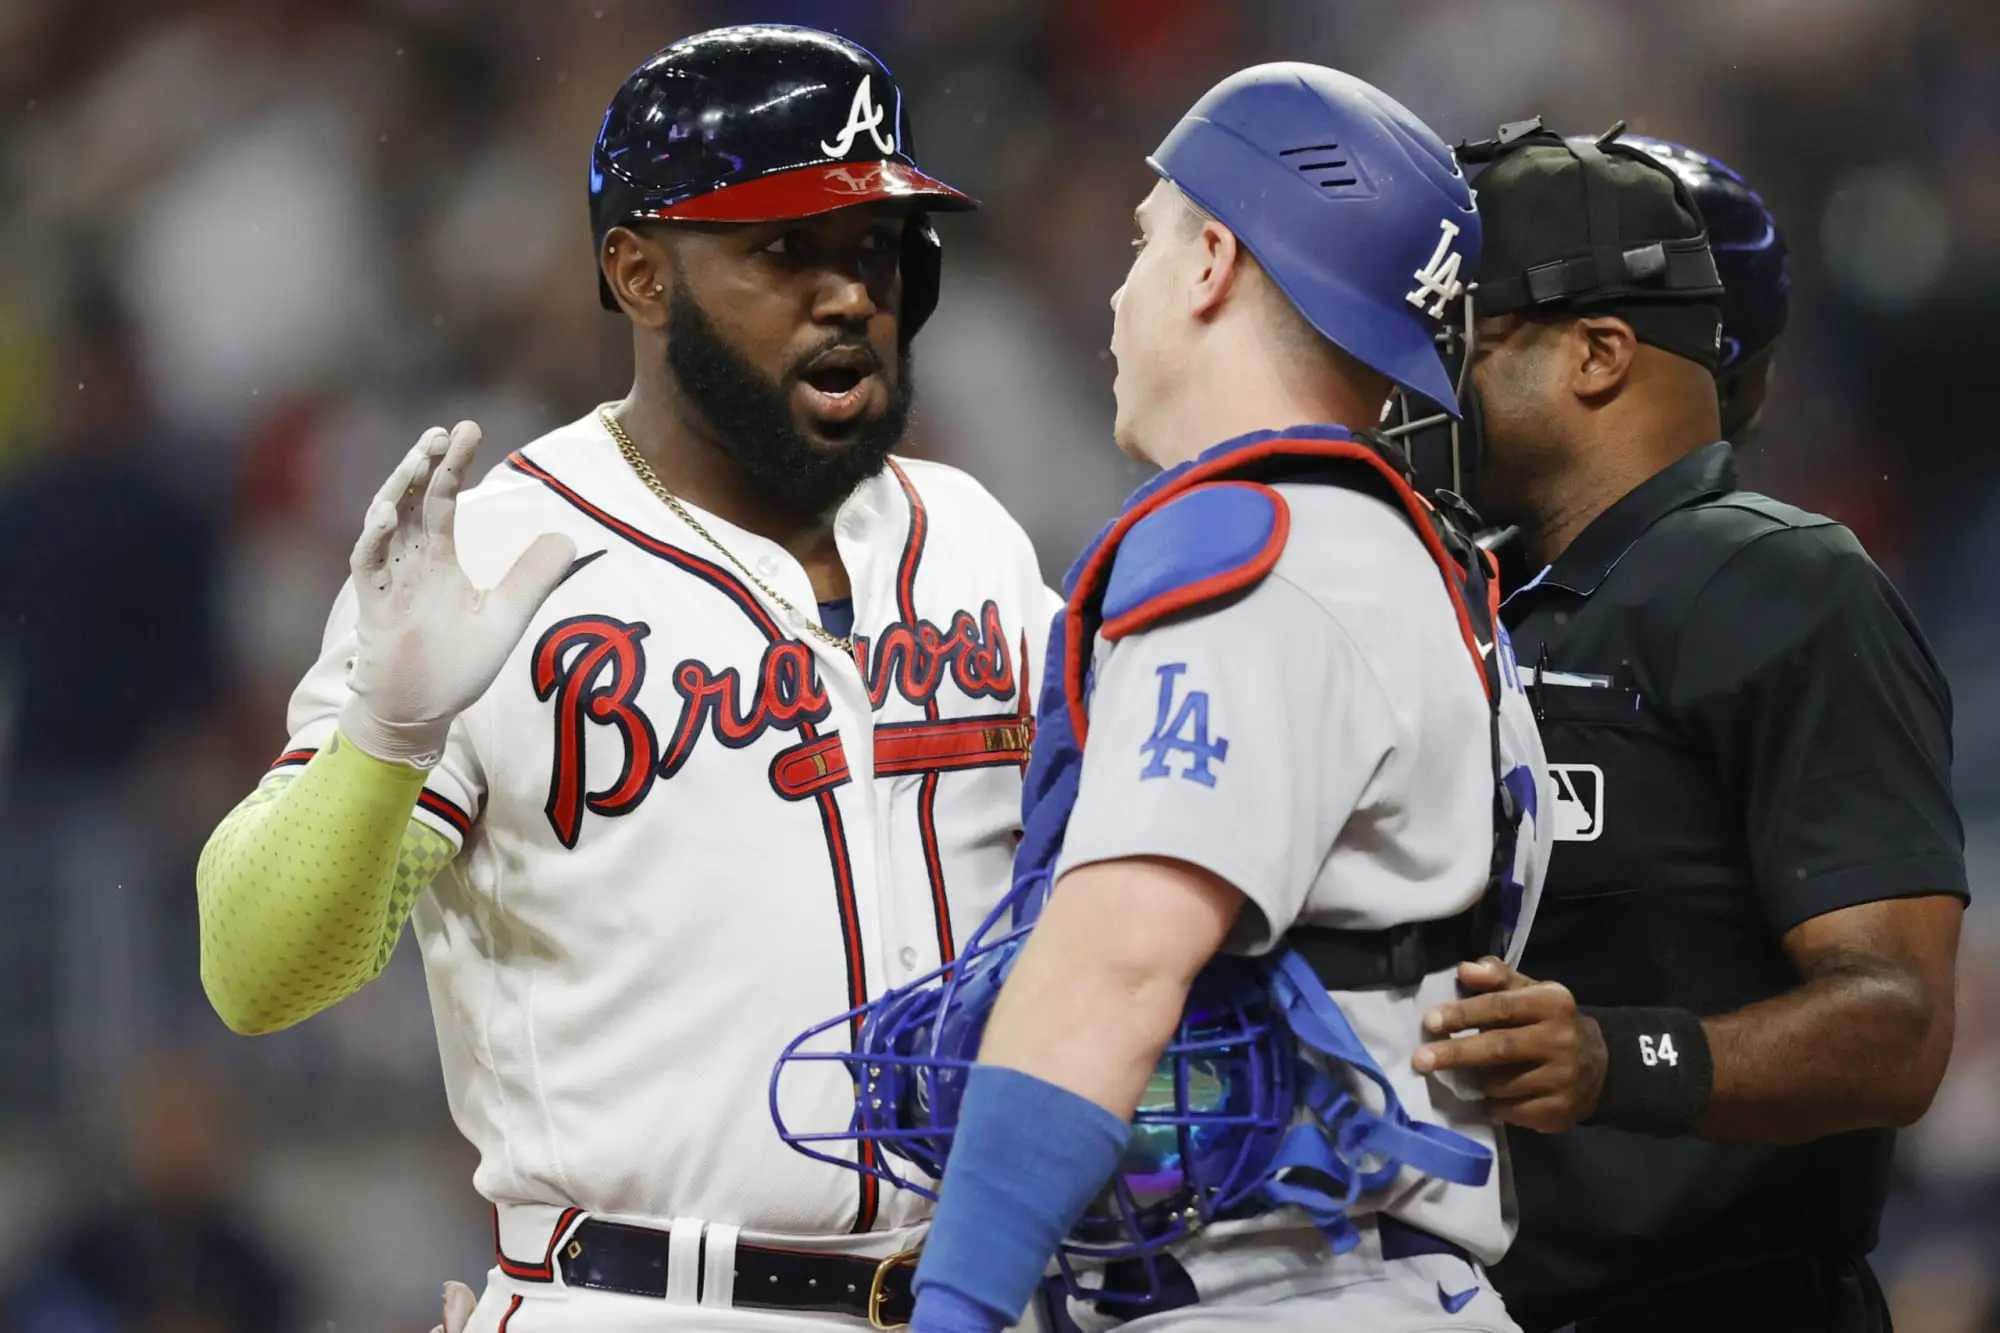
x=458 y=1303
x=428 y=643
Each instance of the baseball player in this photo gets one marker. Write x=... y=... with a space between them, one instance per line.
x=1294 y=733
x=698 y=717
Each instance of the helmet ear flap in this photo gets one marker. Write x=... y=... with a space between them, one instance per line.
x=923 y=273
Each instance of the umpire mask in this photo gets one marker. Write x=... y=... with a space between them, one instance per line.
x=1589 y=226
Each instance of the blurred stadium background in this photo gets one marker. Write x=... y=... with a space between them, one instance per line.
x=250 y=248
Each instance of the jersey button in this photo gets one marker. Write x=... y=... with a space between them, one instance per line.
x=767 y=566
x=908 y=957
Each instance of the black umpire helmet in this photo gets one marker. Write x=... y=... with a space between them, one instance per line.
x=1756 y=281
x=760 y=122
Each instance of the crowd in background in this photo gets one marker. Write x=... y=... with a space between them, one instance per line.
x=249 y=249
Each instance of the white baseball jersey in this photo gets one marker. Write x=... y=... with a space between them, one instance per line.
x=690 y=830
x=1322 y=743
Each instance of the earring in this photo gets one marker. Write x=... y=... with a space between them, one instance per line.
x=658 y=288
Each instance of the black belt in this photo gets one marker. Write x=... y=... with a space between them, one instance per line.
x=612 y=1256
x=1399 y=956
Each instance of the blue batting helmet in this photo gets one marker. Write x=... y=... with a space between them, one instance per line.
x=1353 y=206
x=1205 y=1135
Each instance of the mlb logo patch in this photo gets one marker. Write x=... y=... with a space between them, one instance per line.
x=1579 y=815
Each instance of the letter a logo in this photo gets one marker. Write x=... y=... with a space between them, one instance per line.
x=1187 y=733
x=863 y=114
x=1439 y=278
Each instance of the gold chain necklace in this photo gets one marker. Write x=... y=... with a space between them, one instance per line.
x=646 y=474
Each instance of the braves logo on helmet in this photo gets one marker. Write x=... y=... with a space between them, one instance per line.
x=863 y=116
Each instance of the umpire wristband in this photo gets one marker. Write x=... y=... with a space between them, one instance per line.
x=1658 y=1071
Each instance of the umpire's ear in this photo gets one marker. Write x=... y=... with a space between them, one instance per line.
x=1601 y=355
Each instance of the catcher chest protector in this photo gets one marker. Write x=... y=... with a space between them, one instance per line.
x=1099 y=602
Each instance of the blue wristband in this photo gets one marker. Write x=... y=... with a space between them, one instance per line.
x=942 y=1310
x=1027 y=1158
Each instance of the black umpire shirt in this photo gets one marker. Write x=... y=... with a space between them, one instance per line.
x=1747 y=730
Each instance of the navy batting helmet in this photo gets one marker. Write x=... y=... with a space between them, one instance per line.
x=1756 y=280
x=1749 y=250
x=760 y=122
x=1356 y=210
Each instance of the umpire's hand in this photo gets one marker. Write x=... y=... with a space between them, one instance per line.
x=1540 y=1063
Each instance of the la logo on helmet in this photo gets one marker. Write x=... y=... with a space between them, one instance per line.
x=1439 y=278
x=862 y=114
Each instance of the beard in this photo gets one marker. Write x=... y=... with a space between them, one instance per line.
x=751 y=418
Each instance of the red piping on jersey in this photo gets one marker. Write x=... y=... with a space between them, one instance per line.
x=1215 y=585
x=946 y=747
x=906 y=608
x=1492 y=593
x=508 y=1318
x=1026 y=709
x=829 y=812
x=713 y=574
x=1089 y=583
x=450 y=811
x=809 y=769
x=857 y=978
x=545 y=1271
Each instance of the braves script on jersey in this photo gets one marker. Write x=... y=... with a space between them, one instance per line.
x=689 y=831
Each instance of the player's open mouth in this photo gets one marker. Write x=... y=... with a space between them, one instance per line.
x=840 y=384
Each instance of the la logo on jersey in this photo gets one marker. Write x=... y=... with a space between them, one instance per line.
x=1183 y=731
x=1439 y=278
x=862 y=115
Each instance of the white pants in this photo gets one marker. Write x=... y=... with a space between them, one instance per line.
x=1287 y=1282
x=1415 y=1295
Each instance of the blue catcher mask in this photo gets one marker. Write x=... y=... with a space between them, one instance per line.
x=1211 y=1121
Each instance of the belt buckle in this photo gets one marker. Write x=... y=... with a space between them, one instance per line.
x=878 y=1292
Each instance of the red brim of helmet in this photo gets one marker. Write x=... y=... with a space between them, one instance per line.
x=808 y=191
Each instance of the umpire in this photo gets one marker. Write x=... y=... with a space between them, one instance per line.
x=1747 y=937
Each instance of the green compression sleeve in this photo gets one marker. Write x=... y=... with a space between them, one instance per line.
x=304 y=887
